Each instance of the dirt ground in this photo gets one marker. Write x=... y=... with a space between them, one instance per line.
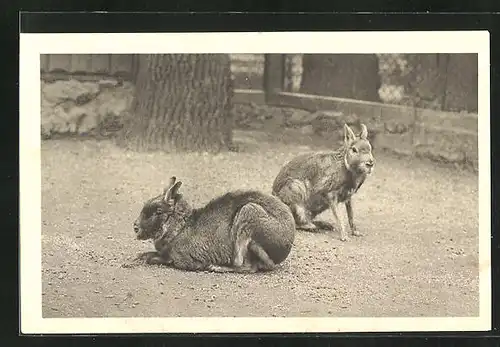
x=418 y=255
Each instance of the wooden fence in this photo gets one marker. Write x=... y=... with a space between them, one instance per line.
x=119 y=65
x=247 y=69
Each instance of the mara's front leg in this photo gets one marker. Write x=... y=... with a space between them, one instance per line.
x=142 y=259
x=350 y=217
x=334 y=206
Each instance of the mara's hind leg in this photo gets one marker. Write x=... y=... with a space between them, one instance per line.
x=241 y=233
x=240 y=250
x=294 y=195
x=249 y=218
x=265 y=263
x=241 y=261
x=302 y=219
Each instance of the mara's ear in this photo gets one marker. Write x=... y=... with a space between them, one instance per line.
x=174 y=190
x=172 y=181
x=167 y=191
x=364 y=132
x=349 y=136
x=173 y=195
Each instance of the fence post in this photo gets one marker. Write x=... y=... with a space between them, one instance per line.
x=444 y=70
x=274 y=74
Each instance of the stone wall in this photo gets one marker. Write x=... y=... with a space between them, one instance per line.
x=74 y=107
x=445 y=137
x=97 y=107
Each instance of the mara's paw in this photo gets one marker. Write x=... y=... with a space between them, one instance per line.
x=343 y=237
x=156 y=260
x=357 y=233
x=219 y=269
x=323 y=225
x=140 y=259
x=307 y=227
x=246 y=269
x=146 y=256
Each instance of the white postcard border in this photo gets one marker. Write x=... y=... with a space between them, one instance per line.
x=32 y=45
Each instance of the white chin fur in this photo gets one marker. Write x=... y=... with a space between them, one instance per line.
x=348 y=167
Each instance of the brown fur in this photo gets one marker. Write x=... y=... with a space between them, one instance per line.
x=311 y=183
x=241 y=231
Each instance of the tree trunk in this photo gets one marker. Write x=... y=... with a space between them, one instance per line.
x=353 y=76
x=182 y=103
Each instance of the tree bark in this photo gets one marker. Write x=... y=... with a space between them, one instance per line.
x=353 y=76
x=182 y=103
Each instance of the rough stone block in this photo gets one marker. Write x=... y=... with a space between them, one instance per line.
x=79 y=107
x=462 y=120
x=367 y=113
x=299 y=118
x=445 y=144
x=398 y=143
x=79 y=92
x=397 y=120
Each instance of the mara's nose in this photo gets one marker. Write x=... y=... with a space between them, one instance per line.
x=136 y=226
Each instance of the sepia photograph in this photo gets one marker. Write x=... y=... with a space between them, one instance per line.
x=255 y=182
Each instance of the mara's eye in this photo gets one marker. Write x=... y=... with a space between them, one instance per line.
x=354 y=149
